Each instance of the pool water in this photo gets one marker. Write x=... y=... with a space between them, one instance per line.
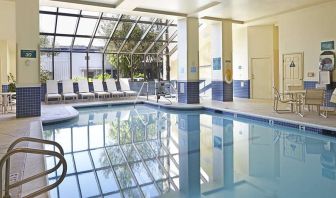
x=148 y=152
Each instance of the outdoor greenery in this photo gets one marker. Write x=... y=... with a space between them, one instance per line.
x=11 y=81
x=133 y=65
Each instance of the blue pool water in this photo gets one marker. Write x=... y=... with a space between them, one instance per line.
x=149 y=152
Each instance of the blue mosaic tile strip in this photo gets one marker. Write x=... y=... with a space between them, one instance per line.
x=222 y=91
x=191 y=92
x=4 y=88
x=75 y=85
x=309 y=84
x=28 y=101
x=91 y=87
x=241 y=88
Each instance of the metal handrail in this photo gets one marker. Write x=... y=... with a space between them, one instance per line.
x=140 y=92
x=11 y=151
x=175 y=90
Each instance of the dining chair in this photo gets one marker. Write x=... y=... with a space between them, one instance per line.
x=314 y=97
x=282 y=98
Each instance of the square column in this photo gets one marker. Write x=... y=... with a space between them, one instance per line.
x=188 y=61
x=221 y=56
x=28 y=87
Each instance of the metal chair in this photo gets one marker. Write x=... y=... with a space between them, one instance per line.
x=281 y=98
x=314 y=97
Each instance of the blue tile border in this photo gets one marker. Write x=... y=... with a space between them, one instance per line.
x=241 y=88
x=190 y=94
x=222 y=91
x=4 y=88
x=28 y=101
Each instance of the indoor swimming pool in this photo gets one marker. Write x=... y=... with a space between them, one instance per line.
x=121 y=151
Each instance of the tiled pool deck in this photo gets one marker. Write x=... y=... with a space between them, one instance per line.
x=12 y=128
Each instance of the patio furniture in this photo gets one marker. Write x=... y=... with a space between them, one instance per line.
x=281 y=98
x=68 y=90
x=125 y=87
x=83 y=90
x=99 y=89
x=6 y=99
x=313 y=97
x=52 y=91
x=112 y=88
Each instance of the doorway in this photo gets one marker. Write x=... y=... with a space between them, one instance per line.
x=262 y=80
x=292 y=70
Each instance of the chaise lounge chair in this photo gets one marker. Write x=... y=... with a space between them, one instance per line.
x=68 y=90
x=83 y=90
x=112 y=88
x=52 y=91
x=125 y=87
x=99 y=89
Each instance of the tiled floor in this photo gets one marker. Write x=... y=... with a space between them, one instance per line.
x=12 y=128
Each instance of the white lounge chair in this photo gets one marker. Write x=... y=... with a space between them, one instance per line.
x=125 y=87
x=83 y=90
x=99 y=89
x=112 y=88
x=52 y=91
x=68 y=90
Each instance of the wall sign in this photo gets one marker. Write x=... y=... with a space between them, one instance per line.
x=193 y=69
x=28 y=54
x=327 y=45
x=216 y=63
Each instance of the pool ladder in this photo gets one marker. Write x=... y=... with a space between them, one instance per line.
x=12 y=150
x=142 y=86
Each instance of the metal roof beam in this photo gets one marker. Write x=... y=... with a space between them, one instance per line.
x=170 y=40
x=112 y=33
x=143 y=36
x=75 y=33
x=129 y=34
x=158 y=37
x=95 y=31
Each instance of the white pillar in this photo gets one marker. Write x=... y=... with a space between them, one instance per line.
x=221 y=56
x=28 y=58
x=188 y=61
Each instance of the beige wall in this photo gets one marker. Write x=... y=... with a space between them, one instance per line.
x=27 y=38
x=263 y=43
x=299 y=31
x=7 y=40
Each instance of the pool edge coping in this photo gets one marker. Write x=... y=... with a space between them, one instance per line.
x=235 y=113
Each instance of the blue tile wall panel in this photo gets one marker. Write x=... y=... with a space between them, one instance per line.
x=222 y=91
x=28 y=101
x=190 y=94
x=4 y=88
x=241 y=88
x=310 y=84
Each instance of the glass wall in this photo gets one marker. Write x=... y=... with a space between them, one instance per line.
x=92 y=45
x=79 y=66
x=62 y=66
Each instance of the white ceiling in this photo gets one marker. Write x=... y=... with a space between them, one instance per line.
x=242 y=10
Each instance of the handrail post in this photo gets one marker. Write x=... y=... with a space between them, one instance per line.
x=10 y=151
x=147 y=90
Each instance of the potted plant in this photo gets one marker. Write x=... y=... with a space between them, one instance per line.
x=11 y=81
